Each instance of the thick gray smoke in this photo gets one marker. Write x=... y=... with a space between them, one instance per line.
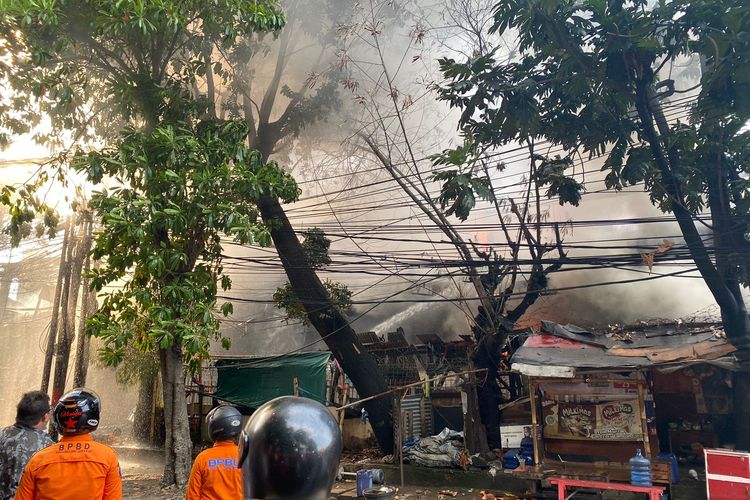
x=27 y=285
x=334 y=166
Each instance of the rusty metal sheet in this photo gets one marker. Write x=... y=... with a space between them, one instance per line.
x=573 y=332
x=671 y=336
x=577 y=358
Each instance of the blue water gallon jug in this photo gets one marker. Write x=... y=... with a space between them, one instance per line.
x=364 y=481
x=640 y=470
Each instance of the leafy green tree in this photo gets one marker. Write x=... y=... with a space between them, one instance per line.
x=125 y=72
x=185 y=185
x=587 y=77
x=133 y=59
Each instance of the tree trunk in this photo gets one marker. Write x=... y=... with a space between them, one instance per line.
x=340 y=338
x=487 y=355
x=333 y=328
x=52 y=338
x=741 y=395
x=69 y=303
x=476 y=432
x=87 y=309
x=68 y=306
x=144 y=409
x=177 y=446
x=723 y=285
x=666 y=157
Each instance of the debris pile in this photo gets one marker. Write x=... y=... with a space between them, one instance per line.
x=443 y=450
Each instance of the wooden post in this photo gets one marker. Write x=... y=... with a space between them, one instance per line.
x=397 y=441
x=534 y=420
x=344 y=400
x=401 y=436
x=295 y=383
x=335 y=374
x=400 y=447
x=641 y=381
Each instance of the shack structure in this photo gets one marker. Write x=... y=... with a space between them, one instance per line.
x=450 y=400
x=596 y=397
x=447 y=397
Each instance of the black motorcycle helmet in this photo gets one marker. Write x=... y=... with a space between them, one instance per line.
x=77 y=412
x=290 y=449
x=224 y=422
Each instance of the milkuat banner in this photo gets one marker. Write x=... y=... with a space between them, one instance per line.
x=613 y=421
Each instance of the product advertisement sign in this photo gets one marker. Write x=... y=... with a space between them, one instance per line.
x=612 y=421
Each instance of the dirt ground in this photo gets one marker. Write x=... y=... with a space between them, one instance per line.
x=348 y=489
x=142 y=475
x=147 y=487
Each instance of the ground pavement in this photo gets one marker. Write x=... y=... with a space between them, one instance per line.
x=148 y=487
x=142 y=473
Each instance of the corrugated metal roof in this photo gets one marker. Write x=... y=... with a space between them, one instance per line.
x=563 y=348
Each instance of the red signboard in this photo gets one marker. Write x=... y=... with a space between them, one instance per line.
x=727 y=474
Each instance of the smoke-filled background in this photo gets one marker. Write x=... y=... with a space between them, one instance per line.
x=401 y=270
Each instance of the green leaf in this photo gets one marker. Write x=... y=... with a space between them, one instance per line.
x=227 y=308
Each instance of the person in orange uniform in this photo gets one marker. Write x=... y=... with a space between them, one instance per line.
x=215 y=474
x=76 y=467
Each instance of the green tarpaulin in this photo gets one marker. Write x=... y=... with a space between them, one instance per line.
x=253 y=381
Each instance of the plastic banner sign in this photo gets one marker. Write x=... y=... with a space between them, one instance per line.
x=610 y=421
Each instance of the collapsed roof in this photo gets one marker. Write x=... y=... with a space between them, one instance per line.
x=564 y=351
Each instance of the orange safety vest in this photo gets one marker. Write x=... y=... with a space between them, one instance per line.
x=215 y=475
x=74 y=468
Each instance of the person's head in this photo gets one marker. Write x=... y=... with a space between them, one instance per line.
x=33 y=409
x=224 y=423
x=290 y=448
x=77 y=412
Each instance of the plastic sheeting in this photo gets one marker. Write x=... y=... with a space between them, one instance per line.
x=252 y=382
x=441 y=450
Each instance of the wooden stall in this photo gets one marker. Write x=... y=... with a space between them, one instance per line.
x=599 y=418
x=596 y=397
